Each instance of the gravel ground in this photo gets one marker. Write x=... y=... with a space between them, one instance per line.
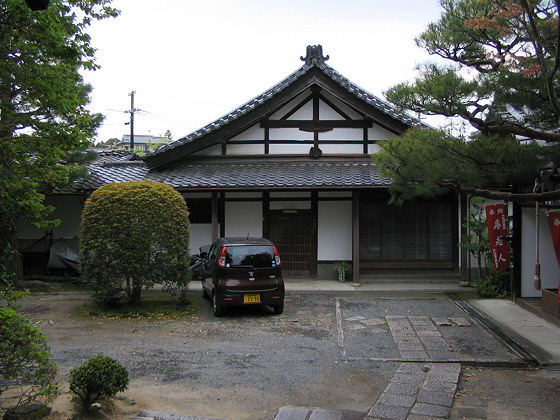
x=246 y=365
x=251 y=363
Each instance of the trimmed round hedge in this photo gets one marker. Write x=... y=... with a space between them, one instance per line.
x=134 y=235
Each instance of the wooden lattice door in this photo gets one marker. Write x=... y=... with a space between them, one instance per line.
x=290 y=230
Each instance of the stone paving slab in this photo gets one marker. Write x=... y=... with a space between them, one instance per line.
x=415 y=329
x=428 y=392
x=156 y=415
x=301 y=413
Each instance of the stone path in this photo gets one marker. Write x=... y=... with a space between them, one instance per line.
x=417 y=338
x=418 y=391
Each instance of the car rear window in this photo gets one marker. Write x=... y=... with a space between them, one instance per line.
x=253 y=255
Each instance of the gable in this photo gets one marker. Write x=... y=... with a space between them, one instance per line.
x=314 y=112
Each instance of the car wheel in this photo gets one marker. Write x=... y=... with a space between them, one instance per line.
x=218 y=309
x=278 y=309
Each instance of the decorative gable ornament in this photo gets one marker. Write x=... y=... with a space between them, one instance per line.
x=314 y=56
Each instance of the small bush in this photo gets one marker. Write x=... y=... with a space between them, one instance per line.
x=99 y=377
x=26 y=366
x=496 y=284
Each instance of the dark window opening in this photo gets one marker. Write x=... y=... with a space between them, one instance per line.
x=200 y=210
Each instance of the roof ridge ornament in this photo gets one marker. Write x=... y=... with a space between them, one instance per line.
x=314 y=56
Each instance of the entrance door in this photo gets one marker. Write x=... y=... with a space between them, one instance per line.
x=290 y=231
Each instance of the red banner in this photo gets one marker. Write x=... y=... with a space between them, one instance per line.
x=554 y=223
x=497 y=230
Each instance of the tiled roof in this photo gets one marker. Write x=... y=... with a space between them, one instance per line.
x=110 y=166
x=352 y=88
x=237 y=175
x=268 y=175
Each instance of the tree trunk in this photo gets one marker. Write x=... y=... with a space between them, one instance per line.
x=10 y=258
x=136 y=292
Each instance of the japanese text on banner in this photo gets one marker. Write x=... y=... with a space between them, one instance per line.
x=497 y=230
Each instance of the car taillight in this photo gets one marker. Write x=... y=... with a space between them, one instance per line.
x=222 y=257
x=276 y=255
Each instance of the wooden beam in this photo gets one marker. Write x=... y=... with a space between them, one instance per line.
x=321 y=124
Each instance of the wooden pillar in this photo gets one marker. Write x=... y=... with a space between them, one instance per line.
x=215 y=221
x=266 y=214
x=516 y=246
x=314 y=233
x=465 y=256
x=356 y=238
x=222 y=213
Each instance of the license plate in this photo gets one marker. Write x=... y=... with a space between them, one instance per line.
x=252 y=298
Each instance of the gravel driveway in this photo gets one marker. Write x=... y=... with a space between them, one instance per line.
x=327 y=350
x=243 y=366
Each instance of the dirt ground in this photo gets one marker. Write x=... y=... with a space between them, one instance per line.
x=246 y=365
x=251 y=363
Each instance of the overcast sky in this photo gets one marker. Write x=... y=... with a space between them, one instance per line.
x=192 y=61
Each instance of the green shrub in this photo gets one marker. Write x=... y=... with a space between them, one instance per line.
x=496 y=284
x=26 y=366
x=8 y=291
x=134 y=235
x=99 y=377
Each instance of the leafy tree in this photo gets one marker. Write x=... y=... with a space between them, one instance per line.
x=135 y=234
x=500 y=77
x=42 y=105
x=476 y=240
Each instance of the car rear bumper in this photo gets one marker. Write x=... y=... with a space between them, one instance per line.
x=274 y=297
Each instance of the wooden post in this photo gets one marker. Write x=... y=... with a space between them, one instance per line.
x=356 y=239
x=214 y=216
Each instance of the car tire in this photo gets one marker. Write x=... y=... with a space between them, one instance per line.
x=278 y=309
x=218 y=309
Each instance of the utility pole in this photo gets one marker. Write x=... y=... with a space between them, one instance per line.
x=132 y=110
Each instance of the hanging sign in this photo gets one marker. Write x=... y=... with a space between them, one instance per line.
x=497 y=231
x=554 y=223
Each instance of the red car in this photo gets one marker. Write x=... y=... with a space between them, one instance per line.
x=243 y=271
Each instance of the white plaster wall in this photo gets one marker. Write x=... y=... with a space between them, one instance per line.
x=304 y=113
x=201 y=234
x=342 y=134
x=327 y=113
x=290 y=149
x=68 y=209
x=290 y=105
x=342 y=106
x=289 y=134
x=379 y=133
x=550 y=273
x=373 y=149
x=329 y=149
x=245 y=149
x=334 y=230
x=253 y=133
x=243 y=218
x=211 y=151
